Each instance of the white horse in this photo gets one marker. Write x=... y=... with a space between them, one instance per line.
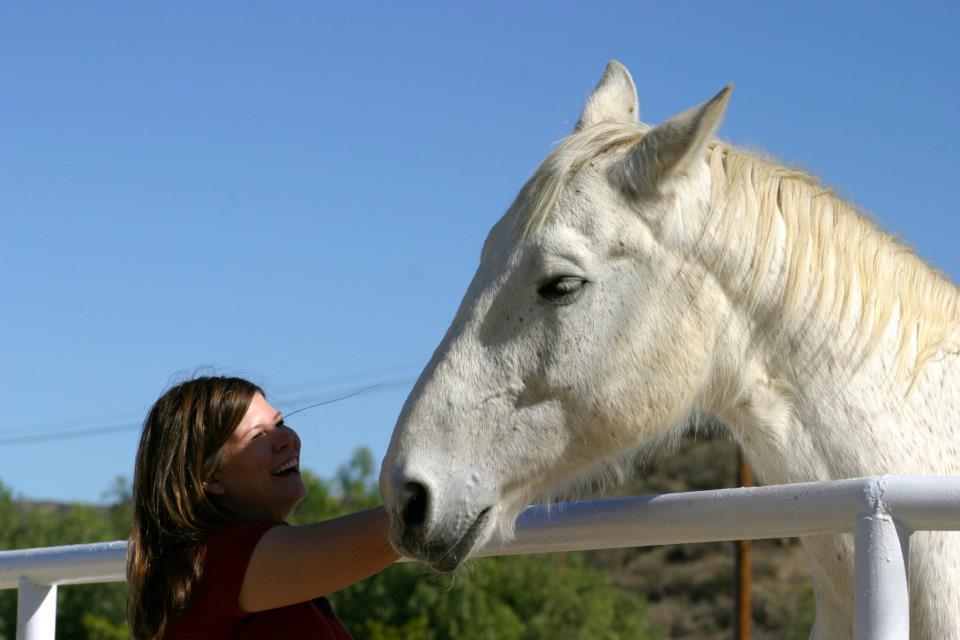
x=648 y=275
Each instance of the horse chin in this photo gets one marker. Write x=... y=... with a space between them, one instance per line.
x=445 y=555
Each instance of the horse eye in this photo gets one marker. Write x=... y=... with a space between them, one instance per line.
x=563 y=290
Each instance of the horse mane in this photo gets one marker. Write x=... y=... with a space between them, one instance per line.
x=842 y=271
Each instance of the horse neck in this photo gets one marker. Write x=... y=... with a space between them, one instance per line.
x=834 y=324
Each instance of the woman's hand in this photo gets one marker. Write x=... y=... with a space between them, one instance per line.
x=299 y=563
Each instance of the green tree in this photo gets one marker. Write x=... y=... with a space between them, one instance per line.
x=8 y=597
x=552 y=596
x=83 y=611
x=525 y=597
x=355 y=483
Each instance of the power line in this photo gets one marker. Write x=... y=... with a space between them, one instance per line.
x=296 y=403
x=356 y=378
x=69 y=435
x=308 y=392
x=381 y=386
x=74 y=434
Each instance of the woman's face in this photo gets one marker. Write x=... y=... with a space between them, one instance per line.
x=259 y=478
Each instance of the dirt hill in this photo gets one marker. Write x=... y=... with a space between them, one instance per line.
x=690 y=588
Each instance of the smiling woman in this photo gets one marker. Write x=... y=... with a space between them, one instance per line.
x=258 y=477
x=217 y=472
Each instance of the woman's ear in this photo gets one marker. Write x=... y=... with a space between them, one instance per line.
x=213 y=487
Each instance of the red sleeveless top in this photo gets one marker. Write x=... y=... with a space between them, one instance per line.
x=216 y=612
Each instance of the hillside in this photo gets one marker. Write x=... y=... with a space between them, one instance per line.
x=690 y=588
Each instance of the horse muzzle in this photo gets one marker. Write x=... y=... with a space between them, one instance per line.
x=441 y=536
x=447 y=549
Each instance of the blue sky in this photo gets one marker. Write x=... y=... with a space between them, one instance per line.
x=298 y=193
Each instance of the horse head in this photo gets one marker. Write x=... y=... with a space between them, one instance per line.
x=589 y=328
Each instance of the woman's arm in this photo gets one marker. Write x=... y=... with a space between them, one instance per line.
x=298 y=563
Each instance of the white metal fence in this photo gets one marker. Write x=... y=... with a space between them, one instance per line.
x=881 y=512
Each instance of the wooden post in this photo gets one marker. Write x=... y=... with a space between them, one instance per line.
x=743 y=560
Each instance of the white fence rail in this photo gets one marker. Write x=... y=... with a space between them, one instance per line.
x=881 y=513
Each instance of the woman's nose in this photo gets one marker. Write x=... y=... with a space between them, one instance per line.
x=286 y=437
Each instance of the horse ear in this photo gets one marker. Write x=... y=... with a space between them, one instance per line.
x=671 y=148
x=614 y=99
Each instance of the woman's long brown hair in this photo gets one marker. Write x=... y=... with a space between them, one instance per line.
x=172 y=515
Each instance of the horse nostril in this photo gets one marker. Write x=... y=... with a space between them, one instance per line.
x=414 y=505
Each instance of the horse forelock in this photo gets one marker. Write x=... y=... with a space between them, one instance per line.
x=538 y=197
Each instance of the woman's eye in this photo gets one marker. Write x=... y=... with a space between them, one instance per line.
x=562 y=289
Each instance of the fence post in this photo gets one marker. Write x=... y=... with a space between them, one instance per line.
x=36 y=610
x=881 y=601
